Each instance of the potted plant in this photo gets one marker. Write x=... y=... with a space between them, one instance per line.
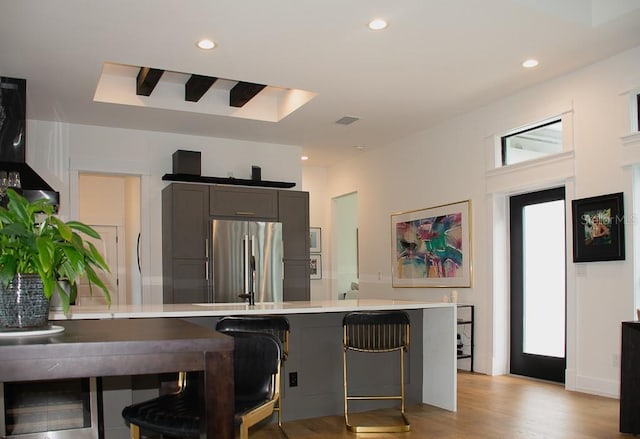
x=40 y=256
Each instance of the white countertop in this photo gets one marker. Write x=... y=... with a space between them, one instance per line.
x=225 y=309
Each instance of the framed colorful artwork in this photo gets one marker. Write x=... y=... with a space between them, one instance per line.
x=598 y=228
x=432 y=247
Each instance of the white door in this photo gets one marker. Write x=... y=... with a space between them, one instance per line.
x=109 y=247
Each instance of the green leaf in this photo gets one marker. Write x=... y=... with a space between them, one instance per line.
x=64 y=297
x=75 y=257
x=20 y=207
x=64 y=229
x=97 y=258
x=8 y=266
x=49 y=284
x=93 y=278
x=83 y=228
x=46 y=253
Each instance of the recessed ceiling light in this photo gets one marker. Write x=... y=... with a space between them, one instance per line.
x=206 y=44
x=377 y=24
x=304 y=157
x=530 y=63
x=359 y=147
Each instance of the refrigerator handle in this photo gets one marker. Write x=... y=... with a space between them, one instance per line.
x=206 y=258
x=246 y=268
x=252 y=266
x=282 y=258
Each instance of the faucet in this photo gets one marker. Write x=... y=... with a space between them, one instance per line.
x=251 y=294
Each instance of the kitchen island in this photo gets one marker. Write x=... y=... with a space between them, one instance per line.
x=313 y=372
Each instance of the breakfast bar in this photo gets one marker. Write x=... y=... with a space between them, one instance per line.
x=316 y=336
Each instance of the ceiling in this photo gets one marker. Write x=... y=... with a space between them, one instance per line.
x=435 y=60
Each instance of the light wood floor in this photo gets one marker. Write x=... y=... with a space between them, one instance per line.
x=488 y=407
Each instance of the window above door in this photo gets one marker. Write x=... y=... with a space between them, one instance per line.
x=532 y=143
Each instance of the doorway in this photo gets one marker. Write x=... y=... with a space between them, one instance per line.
x=345 y=260
x=111 y=204
x=538 y=284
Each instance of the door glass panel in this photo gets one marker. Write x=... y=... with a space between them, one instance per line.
x=544 y=279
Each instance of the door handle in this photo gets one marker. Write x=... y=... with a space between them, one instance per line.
x=138 y=253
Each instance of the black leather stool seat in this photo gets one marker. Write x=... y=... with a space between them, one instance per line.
x=176 y=414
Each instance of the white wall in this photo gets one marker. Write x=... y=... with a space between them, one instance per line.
x=314 y=181
x=59 y=151
x=447 y=163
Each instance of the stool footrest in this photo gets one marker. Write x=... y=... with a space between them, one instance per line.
x=378 y=398
x=395 y=428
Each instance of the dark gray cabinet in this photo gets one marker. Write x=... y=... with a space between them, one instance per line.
x=630 y=378
x=186 y=212
x=296 y=284
x=240 y=202
x=293 y=213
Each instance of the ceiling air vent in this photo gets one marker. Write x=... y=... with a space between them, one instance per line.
x=347 y=120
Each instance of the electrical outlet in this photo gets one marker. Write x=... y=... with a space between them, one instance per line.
x=293 y=379
x=615 y=360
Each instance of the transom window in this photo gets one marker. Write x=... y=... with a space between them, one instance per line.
x=532 y=143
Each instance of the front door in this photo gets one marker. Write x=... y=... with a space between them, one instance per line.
x=538 y=284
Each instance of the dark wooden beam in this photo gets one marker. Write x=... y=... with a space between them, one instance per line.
x=147 y=80
x=197 y=86
x=243 y=92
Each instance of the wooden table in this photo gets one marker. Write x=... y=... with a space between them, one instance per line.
x=94 y=348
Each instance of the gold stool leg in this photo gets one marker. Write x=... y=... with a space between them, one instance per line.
x=135 y=432
x=244 y=431
x=397 y=428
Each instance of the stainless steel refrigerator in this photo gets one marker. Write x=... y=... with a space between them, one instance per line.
x=246 y=256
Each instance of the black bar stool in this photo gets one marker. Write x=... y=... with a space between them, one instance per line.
x=376 y=331
x=270 y=324
x=256 y=367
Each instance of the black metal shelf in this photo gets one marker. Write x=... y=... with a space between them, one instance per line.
x=467 y=321
x=226 y=180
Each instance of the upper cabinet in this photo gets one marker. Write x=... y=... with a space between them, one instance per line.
x=250 y=203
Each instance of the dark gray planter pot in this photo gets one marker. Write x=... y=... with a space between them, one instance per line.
x=23 y=304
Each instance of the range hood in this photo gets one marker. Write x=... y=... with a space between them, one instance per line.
x=13 y=112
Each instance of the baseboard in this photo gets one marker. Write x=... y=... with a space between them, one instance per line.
x=596 y=386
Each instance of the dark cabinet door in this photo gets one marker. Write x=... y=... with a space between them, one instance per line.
x=190 y=281
x=293 y=213
x=296 y=284
x=630 y=378
x=189 y=220
x=240 y=202
x=185 y=214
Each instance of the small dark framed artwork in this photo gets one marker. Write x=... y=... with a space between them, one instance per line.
x=315 y=266
x=598 y=228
